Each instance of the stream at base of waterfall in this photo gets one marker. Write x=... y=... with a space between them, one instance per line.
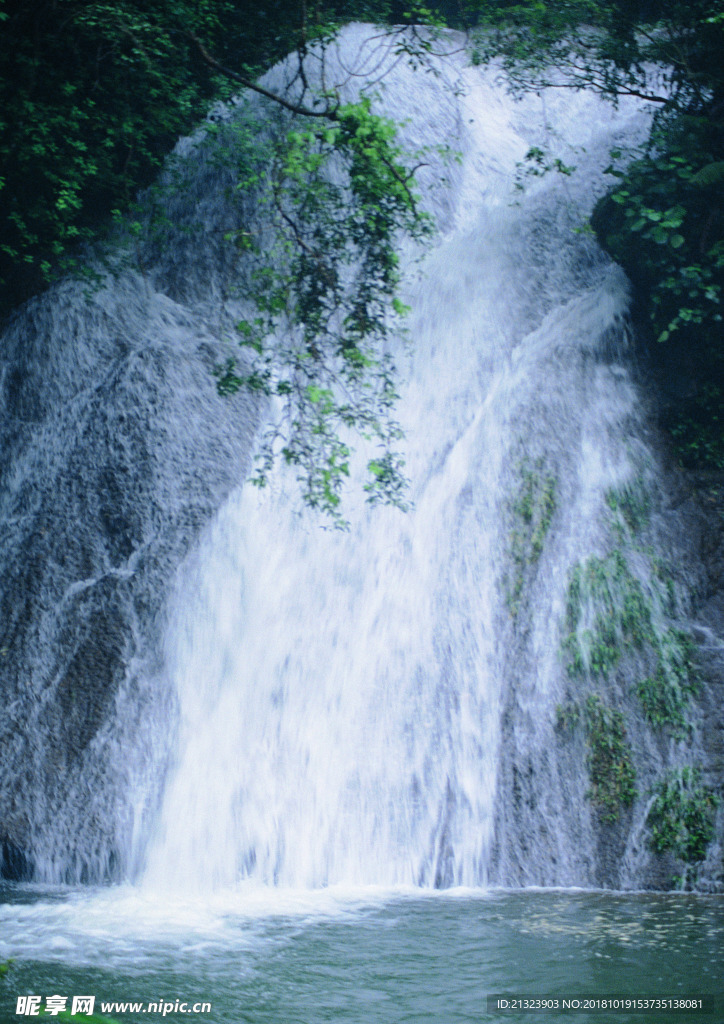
x=363 y=956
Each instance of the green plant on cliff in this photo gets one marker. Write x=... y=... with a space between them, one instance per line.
x=631 y=505
x=665 y=224
x=610 y=616
x=666 y=693
x=610 y=768
x=606 y=612
x=608 y=759
x=568 y=715
x=531 y=510
x=681 y=818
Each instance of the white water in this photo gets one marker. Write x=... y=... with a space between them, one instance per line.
x=341 y=696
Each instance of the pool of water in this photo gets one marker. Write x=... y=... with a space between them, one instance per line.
x=372 y=956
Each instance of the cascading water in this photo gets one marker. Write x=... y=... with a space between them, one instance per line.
x=375 y=707
x=341 y=696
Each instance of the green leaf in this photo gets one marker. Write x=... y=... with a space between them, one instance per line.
x=710 y=175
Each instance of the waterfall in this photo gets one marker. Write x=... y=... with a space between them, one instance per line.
x=300 y=707
x=341 y=696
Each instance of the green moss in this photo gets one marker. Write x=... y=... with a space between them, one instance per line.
x=568 y=716
x=531 y=509
x=662 y=574
x=665 y=694
x=610 y=768
x=605 y=591
x=681 y=818
x=631 y=505
x=608 y=614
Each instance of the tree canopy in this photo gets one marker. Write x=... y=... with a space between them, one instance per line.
x=94 y=93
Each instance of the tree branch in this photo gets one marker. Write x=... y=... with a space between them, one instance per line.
x=329 y=113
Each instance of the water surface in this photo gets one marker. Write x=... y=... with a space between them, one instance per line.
x=363 y=956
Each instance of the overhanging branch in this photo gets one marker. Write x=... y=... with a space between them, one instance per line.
x=329 y=113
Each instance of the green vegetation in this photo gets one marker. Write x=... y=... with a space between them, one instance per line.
x=632 y=504
x=604 y=593
x=609 y=763
x=610 y=768
x=95 y=93
x=608 y=615
x=682 y=815
x=532 y=509
x=664 y=226
x=535 y=164
x=664 y=222
x=665 y=694
x=568 y=716
x=324 y=294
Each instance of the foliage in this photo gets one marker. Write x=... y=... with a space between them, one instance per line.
x=4 y=968
x=668 y=51
x=608 y=760
x=579 y=44
x=665 y=224
x=681 y=818
x=611 y=771
x=604 y=593
x=326 y=301
x=666 y=199
x=568 y=716
x=608 y=613
x=536 y=163
x=632 y=503
x=695 y=423
x=93 y=95
x=665 y=694
x=532 y=509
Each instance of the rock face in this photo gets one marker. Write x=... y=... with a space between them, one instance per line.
x=703 y=501
x=549 y=804
x=116 y=450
